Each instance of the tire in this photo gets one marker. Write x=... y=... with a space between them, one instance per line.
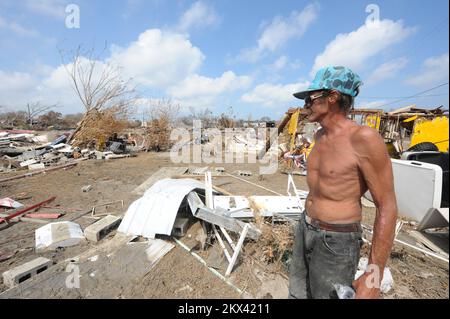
x=424 y=146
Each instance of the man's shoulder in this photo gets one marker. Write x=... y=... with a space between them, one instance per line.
x=366 y=140
x=364 y=134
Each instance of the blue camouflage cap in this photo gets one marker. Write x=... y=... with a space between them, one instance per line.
x=337 y=78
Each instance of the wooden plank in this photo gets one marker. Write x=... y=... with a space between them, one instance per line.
x=237 y=250
x=24 y=219
x=163 y=172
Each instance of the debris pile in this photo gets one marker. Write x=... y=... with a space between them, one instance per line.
x=29 y=151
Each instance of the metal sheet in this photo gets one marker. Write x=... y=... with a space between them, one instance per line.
x=155 y=212
x=418 y=187
x=268 y=205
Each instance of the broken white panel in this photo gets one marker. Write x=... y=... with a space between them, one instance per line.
x=156 y=211
x=435 y=218
x=40 y=139
x=10 y=203
x=198 y=170
x=59 y=234
x=66 y=149
x=158 y=248
x=29 y=162
x=240 y=207
x=418 y=187
x=58 y=146
x=34 y=167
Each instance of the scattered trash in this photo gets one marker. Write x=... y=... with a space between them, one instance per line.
x=34 y=167
x=106 y=207
x=44 y=216
x=25 y=210
x=93 y=258
x=344 y=292
x=244 y=173
x=9 y=203
x=6 y=255
x=86 y=188
x=187 y=287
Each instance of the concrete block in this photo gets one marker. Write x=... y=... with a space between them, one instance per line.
x=23 y=272
x=244 y=173
x=99 y=229
x=180 y=226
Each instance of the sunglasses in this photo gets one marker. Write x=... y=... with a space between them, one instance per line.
x=309 y=100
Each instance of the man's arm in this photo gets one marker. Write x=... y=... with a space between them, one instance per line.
x=376 y=167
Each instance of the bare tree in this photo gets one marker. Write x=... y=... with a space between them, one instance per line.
x=163 y=114
x=164 y=109
x=35 y=108
x=98 y=85
x=100 y=89
x=204 y=115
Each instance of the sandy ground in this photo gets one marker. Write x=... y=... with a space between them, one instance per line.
x=178 y=274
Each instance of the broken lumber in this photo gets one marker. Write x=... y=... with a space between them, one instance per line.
x=44 y=216
x=31 y=220
x=25 y=210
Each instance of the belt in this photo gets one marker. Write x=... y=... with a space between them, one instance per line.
x=344 y=228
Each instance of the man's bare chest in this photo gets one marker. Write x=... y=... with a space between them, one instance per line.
x=333 y=159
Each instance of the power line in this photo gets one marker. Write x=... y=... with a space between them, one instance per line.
x=420 y=42
x=409 y=97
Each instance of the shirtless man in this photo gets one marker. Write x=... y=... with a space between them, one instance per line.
x=346 y=161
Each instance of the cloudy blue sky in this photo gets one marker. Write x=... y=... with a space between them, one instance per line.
x=251 y=55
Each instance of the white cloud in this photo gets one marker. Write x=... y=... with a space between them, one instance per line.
x=158 y=58
x=52 y=8
x=197 y=90
x=15 y=82
x=19 y=88
x=202 y=85
x=280 y=31
x=279 y=64
x=354 y=49
x=434 y=71
x=271 y=95
x=159 y=61
x=197 y=16
x=17 y=28
x=387 y=70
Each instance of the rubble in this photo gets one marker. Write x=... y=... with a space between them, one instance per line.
x=28 y=150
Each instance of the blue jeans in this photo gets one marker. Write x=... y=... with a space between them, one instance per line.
x=320 y=259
